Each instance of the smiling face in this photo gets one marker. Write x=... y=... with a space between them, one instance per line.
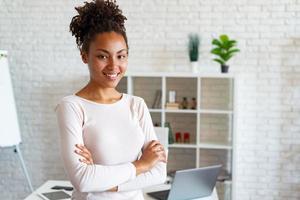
x=107 y=59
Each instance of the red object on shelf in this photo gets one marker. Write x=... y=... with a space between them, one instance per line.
x=178 y=138
x=186 y=137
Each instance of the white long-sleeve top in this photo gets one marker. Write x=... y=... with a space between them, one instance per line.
x=115 y=134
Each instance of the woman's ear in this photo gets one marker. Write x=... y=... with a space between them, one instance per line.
x=84 y=57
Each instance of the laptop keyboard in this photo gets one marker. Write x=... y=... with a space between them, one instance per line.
x=161 y=195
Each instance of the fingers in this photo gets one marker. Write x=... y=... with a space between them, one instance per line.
x=83 y=148
x=160 y=153
x=158 y=148
x=114 y=189
x=165 y=159
x=162 y=156
x=153 y=143
x=85 y=161
x=84 y=152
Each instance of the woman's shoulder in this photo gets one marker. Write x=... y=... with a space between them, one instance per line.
x=70 y=106
x=72 y=99
x=136 y=103
x=69 y=101
x=134 y=100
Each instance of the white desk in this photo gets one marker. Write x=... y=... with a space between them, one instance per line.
x=46 y=187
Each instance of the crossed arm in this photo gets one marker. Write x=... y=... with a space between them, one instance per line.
x=152 y=154
x=150 y=169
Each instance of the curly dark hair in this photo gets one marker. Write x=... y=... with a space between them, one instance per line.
x=96 y=17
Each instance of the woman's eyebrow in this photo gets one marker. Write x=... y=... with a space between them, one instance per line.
x=122 y=50
x=103 y=50
x=108 y=51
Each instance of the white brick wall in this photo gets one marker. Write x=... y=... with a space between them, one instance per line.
x=45 y=66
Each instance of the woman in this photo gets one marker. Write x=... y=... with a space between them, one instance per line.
x=117 y=150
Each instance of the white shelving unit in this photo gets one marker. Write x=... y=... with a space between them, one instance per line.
x=213 y=139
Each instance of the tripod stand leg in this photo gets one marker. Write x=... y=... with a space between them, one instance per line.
x=24 y=167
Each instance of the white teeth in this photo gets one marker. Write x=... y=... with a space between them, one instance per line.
x=114 y=75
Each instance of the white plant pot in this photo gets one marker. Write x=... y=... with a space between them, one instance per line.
x=194 y=66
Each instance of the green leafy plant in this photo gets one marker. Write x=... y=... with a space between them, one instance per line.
x=194 y=47
x=224 y=49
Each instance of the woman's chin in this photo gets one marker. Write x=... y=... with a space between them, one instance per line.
x=113 y=84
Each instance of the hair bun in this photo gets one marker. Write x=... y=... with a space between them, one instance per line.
x=95 y=17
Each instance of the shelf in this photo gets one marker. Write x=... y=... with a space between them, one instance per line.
x=214 y=146
x=181 y=158
x=155 y=110
x=192 y=111
x=211 y=126
x=179 y=74
x=180 y=111
x=201 y=145
x=213 y=111
x=206 y=111
x=147 y=88
x=156 y=118
x=215 y=157
x=216 y=94
x=183 y=146
x=215 y=131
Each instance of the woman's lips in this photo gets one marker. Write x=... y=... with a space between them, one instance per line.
x=111 y=76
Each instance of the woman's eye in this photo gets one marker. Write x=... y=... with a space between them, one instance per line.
x=122 y=56
x=102 y=57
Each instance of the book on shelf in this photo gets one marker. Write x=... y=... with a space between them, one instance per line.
x=172 y=106
x=157 y=100
x=171 y=138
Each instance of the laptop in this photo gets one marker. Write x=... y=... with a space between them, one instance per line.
x=190 y=184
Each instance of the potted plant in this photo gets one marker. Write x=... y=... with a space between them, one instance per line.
x=194 y=51
x=224 y=48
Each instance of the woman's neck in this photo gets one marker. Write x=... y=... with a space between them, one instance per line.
x=99 y=94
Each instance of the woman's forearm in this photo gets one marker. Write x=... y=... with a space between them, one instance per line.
x=156 y=175
x=140 y=167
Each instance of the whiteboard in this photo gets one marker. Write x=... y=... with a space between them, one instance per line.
x=9 y=126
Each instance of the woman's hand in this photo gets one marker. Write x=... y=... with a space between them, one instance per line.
x=114 y=189
x=85 y=153
x=152 y=154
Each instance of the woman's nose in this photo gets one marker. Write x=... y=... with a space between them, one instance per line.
x=112 y=63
